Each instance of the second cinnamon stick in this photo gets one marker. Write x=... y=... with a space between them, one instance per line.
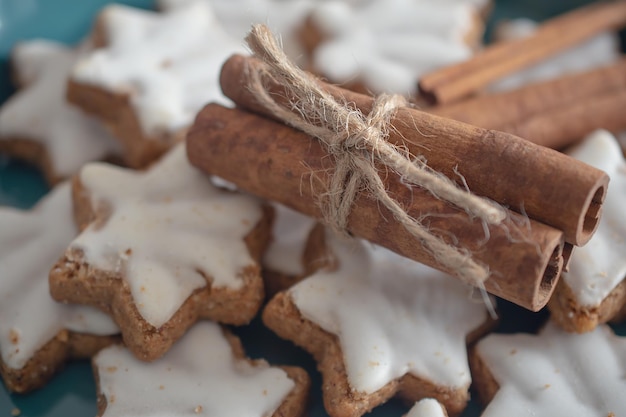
x=456 y=81
x=499 y=110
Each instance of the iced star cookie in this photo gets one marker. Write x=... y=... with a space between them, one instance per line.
x=554 y=373
x=161 y=249
x=37 y=334
x=384 y=46
x=155 y=72
x=294 y=251
x=283 y=17
x=381 y=325
x=38 y=125
x=599 y=51
x=593 y=290
x=205 y=373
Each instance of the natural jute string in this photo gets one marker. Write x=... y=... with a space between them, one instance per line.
x=358 y=142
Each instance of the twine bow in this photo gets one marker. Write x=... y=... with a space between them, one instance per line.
x=358 y=142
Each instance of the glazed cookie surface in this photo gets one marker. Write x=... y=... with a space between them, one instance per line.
x=283 y=17
x=387 y=45
x=37 y=124
x=554 y=373
x=154 y=73
x=380 y=324
x=427 y=407
x=38 y=334
x=161 y=248
x=593 y=290
x=205 y=374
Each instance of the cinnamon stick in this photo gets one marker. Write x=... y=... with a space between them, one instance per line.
x=454 y=82
x=569 y=124
x=546 y=185
x=495 y=111
x=277 y=162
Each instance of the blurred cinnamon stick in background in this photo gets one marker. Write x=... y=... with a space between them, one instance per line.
x=452 y=83
x=567 y=125
x=552 y=113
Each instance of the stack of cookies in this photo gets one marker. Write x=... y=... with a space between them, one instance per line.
x=148 y=266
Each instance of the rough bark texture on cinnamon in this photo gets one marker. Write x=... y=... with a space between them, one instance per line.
x=545 y=185
x=519 y=110
x=454 y=82
x=277 y=162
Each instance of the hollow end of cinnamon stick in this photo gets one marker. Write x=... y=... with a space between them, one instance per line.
x=533 y=294
x=590 y=219
x=549 y=279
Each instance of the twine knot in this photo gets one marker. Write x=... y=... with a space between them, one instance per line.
x=358 y=142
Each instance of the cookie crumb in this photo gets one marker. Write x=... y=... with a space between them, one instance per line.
x=198 y=409
x=63 y=336
x=513 y=351
x=16 y=412
x=111 y=369
x=14 y=336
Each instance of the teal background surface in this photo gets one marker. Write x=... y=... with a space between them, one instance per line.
x=72 y=392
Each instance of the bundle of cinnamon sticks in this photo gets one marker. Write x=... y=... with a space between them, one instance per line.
x=554 y=113
x=549 y=201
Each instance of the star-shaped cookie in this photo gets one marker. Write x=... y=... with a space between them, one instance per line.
x=283 y=17
x=554 y=373
x=161 y=249
x=37 y=124
x=204 y=374
x=38 y=334
x=380 y=325
x=593 y=290
x=155 y=72
x=387 y=45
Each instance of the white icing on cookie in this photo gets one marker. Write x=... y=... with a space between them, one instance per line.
x=30 y=243
x=168 y=63
x=283 y=17
x=166 y=225
x=596 y=52
x=621 y=138
x=556 y=373
x=392 y=316
x=427 y=407
x=39 y=111
x=198 y=376
x=599 y=266
x=290 y=232
x=390 y=44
